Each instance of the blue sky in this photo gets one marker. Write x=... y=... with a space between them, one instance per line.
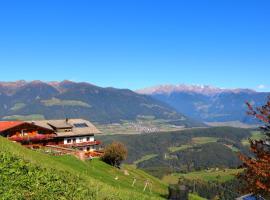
x=135 y=44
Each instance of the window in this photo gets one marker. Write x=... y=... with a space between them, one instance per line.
x=68 y=140
x=80 y=125
x=74 y=140
x=88 y=148
x=87 y=139
x=23 y=133
x=81 y=139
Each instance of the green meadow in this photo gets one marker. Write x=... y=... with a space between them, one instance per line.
x=194 y=142
x=220 y=175
x=95 y=177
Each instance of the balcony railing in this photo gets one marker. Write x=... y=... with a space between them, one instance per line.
x=96 y=142
x=30 y=138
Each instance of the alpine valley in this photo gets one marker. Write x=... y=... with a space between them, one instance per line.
x=207 y=103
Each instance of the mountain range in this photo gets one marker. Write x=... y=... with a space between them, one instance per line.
x=208 y=103
x=188 y=105
x=39 y=100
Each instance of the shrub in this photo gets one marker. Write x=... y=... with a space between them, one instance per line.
x=115 y=153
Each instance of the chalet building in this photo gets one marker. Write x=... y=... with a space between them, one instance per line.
x=67 y=133
x=26 y=133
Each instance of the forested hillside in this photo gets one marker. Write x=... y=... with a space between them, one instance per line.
x=205 y=159
x=184 y=151
x=39 y=100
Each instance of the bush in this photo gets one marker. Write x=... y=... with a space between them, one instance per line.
x=115 y=153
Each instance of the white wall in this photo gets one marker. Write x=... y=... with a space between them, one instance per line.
x=91 y=148
x=79 y=139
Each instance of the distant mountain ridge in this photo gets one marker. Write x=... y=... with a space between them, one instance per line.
x=208 y=103
x=38 y=100
x=200 y=89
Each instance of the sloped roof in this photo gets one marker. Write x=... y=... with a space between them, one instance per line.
x=59 y=124
x=87 y=129
x=5 y=125
x=42 y=123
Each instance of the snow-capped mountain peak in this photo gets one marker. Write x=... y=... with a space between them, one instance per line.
x=200 y=89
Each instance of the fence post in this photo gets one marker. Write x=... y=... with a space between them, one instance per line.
x=134 y=181
x=145 y=185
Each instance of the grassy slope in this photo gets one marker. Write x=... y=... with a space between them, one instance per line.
x=59 y=102
x=194 y=142
x=220 y=175
x=24 y=117
x=255 y=135
x=144 y=158
x=195 y=197
x=95 y=174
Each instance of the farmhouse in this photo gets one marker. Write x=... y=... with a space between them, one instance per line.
x=65 y=133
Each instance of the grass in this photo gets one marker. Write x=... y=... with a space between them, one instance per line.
x=233 y=148
x=203 y=140
x=180 y=148
x=17 y=106
x=255 y=135
x=144 y=158
x=236 y=124
x=110 y=182
x=24 y=117
x=205 y=175
x=195 y=197
x=59 y=102
x=114 y=177
x=194 y=142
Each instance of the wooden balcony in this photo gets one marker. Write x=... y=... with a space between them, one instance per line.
x=31 y=138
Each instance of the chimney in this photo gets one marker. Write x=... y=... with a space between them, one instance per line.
x=66 y=120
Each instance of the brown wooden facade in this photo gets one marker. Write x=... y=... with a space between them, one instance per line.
x=27 y=133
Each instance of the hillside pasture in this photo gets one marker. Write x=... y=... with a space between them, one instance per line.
x=17 y=106
x=24 y=117
x=219 y=175
x=103 y=180
x=195 y=141
x=144 y=158
x=255 y=135
x=60 y=102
